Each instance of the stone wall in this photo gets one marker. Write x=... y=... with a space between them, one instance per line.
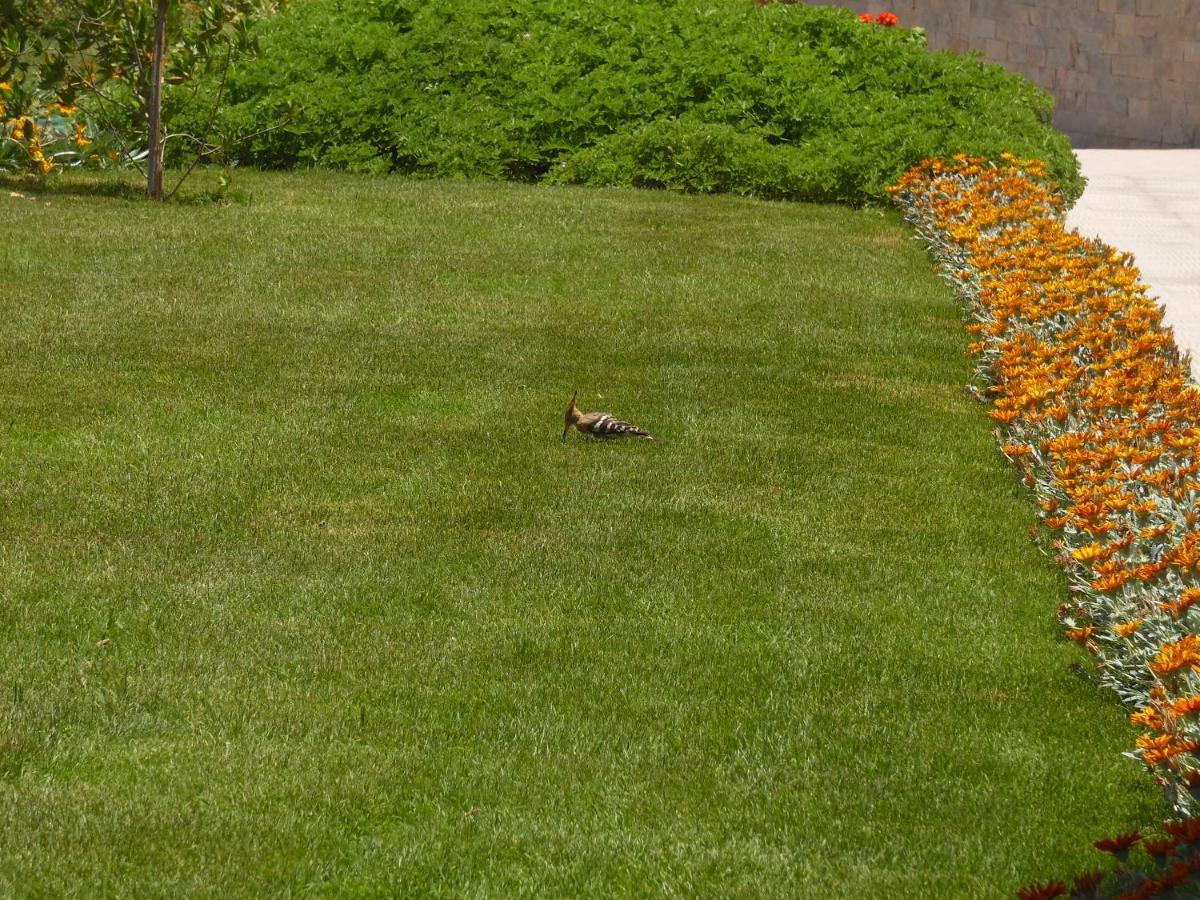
x=1125 y=73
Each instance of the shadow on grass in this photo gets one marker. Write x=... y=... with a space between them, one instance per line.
x=99 y=186
x=116 y=186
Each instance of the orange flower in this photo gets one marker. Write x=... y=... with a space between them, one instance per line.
x=1004 y=415
x=1186 y=706
x=1185 y=602
x=1156 y=750
x=1125 y=629
x=1181 y=654
x=1111 y=582
x=1149 y=717
x=1149 y=570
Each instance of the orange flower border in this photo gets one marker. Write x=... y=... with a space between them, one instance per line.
x=1096 y=406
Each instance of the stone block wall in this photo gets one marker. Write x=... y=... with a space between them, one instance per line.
x=1125 y=73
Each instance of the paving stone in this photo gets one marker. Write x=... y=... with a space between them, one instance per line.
x=1148 y=202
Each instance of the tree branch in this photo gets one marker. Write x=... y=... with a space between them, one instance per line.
x=116 y=132
x=212 y=117
x=133 y=42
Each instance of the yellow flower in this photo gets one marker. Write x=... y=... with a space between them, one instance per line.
x=1088 y=553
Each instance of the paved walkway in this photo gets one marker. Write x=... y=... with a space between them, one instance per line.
x=1148 y=202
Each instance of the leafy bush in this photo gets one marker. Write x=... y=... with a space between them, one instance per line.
x=691 y=156
x=722 y=95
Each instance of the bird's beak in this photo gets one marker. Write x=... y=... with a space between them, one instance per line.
x=567 y=417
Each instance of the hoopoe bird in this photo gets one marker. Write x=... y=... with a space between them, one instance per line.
x=600 y=424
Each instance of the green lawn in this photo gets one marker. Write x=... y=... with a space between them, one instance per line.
x=300 y=591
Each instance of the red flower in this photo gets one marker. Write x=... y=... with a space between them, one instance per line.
x=1047 y=891
x=1120 y=844
x=887 y=19
x=1160 y=850
x=1185 y=832
x=1088 y=881
x=866 y=17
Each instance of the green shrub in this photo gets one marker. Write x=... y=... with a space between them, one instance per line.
x=691 y=156
x=721 y=95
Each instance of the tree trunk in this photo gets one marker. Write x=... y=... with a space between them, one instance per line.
x=154 y=179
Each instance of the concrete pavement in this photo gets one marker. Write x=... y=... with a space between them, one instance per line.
x=1148 y=202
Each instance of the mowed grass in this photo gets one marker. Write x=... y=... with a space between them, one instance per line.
x=301 y=592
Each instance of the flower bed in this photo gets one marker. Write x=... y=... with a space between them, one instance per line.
x=1095 y=404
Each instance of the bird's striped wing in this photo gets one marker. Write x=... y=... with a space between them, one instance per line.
x=605 y=425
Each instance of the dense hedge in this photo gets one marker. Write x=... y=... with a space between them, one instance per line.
x=782 y=101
